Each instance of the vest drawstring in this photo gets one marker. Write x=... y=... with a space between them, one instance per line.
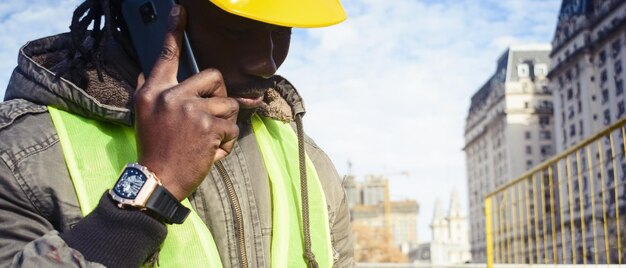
x=308 y=253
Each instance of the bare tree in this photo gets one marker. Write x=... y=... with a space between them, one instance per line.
x=375 y=245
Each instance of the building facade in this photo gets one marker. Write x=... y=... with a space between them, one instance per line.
x=509 y=129
x=371 y=191
x=587 y=79
x=449 y=243
x=587 y=74
x=370 y=206
x=404 y=224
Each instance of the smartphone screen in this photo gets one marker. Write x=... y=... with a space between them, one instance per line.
x=147 y=21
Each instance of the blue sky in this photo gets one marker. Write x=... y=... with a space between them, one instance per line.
x=387 y=90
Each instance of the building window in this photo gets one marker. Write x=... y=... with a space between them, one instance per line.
x=570 y=112
x=529 y=149
x=544 y=120
x=527 y=135
x=605 y=96
x=580 y=106
x=522 y=70
x=580 y=128
x=545 y=134
x=529 y=163
x=572 y=130
x=618 y=66
x=603 y=76
x=607 y=116
x=546 y=150
x=546 y=104
x=602 y=58
x=615 y=48
x=568 y=75
x=620 y=109
x=570 y=93
x=619 y=87
x=541 y=69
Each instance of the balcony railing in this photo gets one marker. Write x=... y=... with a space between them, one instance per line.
x=569 y=210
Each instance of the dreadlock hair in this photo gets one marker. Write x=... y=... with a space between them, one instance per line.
x=87 y=45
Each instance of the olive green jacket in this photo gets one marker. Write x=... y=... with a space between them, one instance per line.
x=37 y=199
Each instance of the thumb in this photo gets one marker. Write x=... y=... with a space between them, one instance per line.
x=165 y=69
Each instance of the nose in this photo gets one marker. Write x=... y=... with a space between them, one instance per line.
x=259 y=56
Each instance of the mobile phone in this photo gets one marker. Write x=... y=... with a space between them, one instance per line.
x=146 y=21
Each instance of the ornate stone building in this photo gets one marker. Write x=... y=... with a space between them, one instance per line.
x=587 y=79
x=509 y=129
x=449 y=236
x=587 y=74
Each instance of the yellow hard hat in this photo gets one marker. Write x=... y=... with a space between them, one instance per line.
x=289 y=13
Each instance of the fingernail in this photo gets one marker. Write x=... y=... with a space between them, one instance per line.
x=175 y=11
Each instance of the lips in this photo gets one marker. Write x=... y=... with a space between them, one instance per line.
x=249 y=102
x=249 y=95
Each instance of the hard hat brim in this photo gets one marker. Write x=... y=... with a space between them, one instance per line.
x=288 y=13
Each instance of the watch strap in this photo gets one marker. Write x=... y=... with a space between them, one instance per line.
x=166 y=206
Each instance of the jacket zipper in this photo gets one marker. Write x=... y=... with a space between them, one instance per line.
x=237 y=211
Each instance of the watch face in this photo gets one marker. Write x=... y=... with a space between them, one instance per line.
x=129 y=183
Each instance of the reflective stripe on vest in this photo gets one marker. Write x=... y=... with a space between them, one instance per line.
x=95 y=152
x=279 y=146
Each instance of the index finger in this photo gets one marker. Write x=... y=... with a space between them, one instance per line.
x=165 y=68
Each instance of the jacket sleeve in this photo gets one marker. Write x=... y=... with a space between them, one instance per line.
x=341 y=229
x=50 y=251
x=343 y=239
x=26 y=237
x=29 y=239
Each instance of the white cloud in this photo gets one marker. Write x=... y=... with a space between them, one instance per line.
x=22 y=21
x=388 y=89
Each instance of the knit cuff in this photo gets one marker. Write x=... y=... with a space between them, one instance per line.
x=116 y=237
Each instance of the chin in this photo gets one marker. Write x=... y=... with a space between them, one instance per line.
x=245 y=114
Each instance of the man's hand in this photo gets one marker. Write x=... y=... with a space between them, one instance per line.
x=182 y=129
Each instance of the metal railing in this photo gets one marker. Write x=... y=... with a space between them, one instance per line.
x=569 y=210
x=420 y=265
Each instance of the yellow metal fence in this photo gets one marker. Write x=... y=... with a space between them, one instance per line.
x=569 y=210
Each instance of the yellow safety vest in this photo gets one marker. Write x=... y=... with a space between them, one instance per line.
x=96 y=151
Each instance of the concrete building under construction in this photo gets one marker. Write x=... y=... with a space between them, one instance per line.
x=369 y=205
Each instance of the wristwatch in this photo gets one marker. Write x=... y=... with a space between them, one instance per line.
x=138 y=188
